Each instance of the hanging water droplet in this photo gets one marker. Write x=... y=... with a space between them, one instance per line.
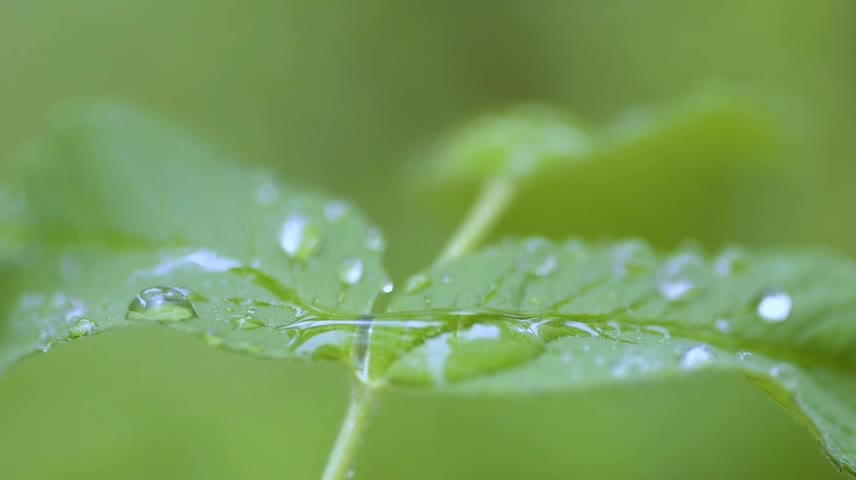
x=299 y=238
x=696 y=357
x=82 y=328
x=417 y=283
x=374 y=240
x=674 y=279
x=775 y=307
x=546 y=267
x=246 y=322
x=335 y=210
x=162 y=304
x=351 y=271
x=388 y=286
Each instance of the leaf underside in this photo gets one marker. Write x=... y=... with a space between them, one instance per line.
x=119 y=220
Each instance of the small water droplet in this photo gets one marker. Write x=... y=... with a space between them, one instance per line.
x=658 y=329
x=583 y=327
x=775 y=307
x=723 y=326
x=674 y=280
x=351 y=271
x=335 y=210
x=388 y=286
x=742 y=356
x=162 y=304
x=299 y=238
x=546 y=267
x=417 y=283
x=212 y=339
x=730 y=261
x=374 y=240
x=246 y=322
x=696 y=357
x=628 y=258
x=82 y=328
x=267 y=193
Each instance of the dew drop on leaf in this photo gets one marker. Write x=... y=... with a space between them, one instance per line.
x=161 y=304
x=674 y=280
x=245 y=322
x=82 y=328
x=775 y=307
x=388 y=286
x=374 y=240
x=723 y=326
x=335 y=210
x=351 y=271
x=546 y=267
x=696 y=357
x=299 y=238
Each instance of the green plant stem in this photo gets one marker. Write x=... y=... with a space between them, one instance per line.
x=495 y=196
x=362 y=403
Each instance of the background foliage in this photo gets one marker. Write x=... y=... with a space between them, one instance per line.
x=343 y=96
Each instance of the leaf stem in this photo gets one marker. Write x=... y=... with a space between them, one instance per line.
x=360 y=409
x=495 y=196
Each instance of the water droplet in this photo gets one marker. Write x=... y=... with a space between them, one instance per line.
x=674 y=280
x=212 y=339
x=82 y=328
x=657 y=329
x=775 y=307
x=267 y=193
x=583 y=327
x=299 y=238
x=730 y=261
x=742 y=356
x=480 y=332
x=246 y=322
x=722 y=326
x=374 y=240
x=417 y=283
x=546 y=267
x=388 y=286
x=351 y=271
x=696 y=357
x=335 y=210
x=428 y=300
x=627 y=258
x=162 y=304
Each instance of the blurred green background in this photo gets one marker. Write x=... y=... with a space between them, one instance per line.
x=340 y=95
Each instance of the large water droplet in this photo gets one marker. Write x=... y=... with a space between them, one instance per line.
x=675 y=280
x=351 y=271
x=388 y=286
x=162 y=304
x=417 y=283
x=299 y=238
x=775 y=307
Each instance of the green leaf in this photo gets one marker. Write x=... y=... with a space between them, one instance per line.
x=530 y=316
x=119 y=219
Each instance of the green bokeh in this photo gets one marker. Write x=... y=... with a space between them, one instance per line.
x=340 y=96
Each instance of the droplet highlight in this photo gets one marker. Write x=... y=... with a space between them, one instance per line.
x=775 y=307
x=299 y=238
x=351 y=271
